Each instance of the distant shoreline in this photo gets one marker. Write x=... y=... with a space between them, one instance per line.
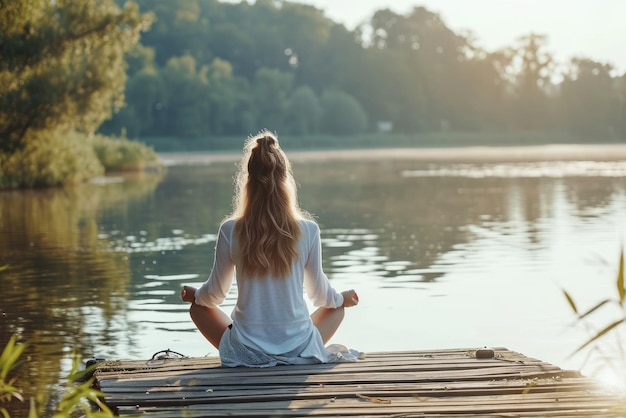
x=555 y=152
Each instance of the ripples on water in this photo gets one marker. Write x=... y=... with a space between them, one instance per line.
x=546 y=169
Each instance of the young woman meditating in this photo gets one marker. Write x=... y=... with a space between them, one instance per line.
x=273 y=249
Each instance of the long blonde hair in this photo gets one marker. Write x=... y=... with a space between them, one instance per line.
x=266 y=209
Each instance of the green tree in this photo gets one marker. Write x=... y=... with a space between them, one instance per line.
x=186 y=111
x=491 y=101
x=222 y=96
x=146 y=91
x=533 y=67
x=62 y=66
x=342 y=114
x=436 y=58
x=304 y=112
x=271 y=91
x=588 y=97
x=234 y=45
x=180 y=28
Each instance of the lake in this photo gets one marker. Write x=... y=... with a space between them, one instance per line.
x=443 y=254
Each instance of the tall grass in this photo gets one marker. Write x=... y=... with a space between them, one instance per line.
x=598 y=339
x=77 y=399
x=8 y=360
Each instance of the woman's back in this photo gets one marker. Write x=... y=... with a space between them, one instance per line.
x=276 y=253
x=271 y=312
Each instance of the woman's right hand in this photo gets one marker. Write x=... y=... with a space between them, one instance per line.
x=350 y=298
x=188 y=294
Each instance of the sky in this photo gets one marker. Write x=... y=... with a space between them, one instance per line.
x=593 y=29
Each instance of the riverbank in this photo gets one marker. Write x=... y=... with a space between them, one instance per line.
x=555 y=152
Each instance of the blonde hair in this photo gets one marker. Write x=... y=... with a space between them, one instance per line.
x=266 y=209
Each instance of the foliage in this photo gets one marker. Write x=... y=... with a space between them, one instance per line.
x=207 y=68
x=619 y=301
x=62 y=66
x=363 y=140
x=409 y=69
x=76 y=396
x=50 y=160
x=71 y=158
x=119 y=154
x=342 y=114
x=303 y=112
x=8 y=360
x=589 y=85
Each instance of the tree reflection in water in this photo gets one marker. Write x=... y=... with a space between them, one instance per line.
x=62 y=290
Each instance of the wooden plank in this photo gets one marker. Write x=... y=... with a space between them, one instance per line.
x=436 y=383
x=362 y=378
x=359 y=407
x=474 y=387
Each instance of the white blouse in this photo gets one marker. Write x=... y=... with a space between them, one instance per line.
x=271 y=317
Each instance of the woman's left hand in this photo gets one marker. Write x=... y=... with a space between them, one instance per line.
x=188 y=294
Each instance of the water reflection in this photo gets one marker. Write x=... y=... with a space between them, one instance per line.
x=442 y=256
x=59 y=283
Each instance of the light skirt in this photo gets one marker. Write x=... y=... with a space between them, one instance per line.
x=233 y=353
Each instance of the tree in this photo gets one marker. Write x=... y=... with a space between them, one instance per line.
x=187 y=108
x=146 y=91
x=436 y=58
x=180 y=28
x=588 y=97
x=342 y=114
x=304 y=112
x=271 y=91
x=619 y=112
x=62 y=65
x=533 y=67
x=222 y=96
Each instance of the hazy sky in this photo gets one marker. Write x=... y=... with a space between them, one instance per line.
x=594 y=29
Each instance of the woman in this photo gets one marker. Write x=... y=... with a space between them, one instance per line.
x=274 y=247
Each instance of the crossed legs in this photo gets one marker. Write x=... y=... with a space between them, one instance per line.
x=212 y=322
x=327 y=320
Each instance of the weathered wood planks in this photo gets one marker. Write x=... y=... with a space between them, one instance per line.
x=398 y=384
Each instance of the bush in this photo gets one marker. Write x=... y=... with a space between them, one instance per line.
x=61 y=158
x=342 y=114
x=120 y=154
x=70 y=158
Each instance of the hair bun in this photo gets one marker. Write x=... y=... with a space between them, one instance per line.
x=266 y=141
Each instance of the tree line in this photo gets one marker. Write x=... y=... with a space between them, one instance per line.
x=207 y=68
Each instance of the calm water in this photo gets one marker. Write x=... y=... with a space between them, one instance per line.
x=442 y=255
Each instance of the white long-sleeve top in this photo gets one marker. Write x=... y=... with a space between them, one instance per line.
x=271 y=315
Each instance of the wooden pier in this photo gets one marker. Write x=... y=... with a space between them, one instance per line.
x=436 y=383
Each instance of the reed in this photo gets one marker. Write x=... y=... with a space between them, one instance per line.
x=598 y=339
x=77 y=400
